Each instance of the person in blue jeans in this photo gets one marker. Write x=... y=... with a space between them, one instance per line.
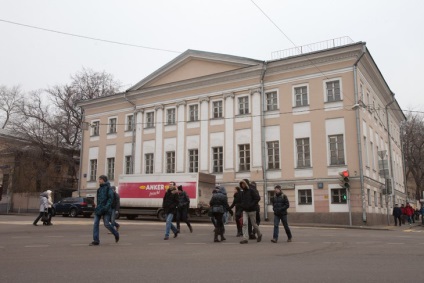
x=280 y=204
x=169 y=205
x=103 y=209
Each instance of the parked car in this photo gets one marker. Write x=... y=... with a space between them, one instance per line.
x=74 y=206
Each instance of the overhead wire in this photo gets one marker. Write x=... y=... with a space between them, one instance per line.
x=89 y=37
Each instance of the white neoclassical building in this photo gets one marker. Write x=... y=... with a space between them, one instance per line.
x=296 y=121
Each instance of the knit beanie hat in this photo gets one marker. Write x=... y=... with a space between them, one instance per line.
x=103 y=177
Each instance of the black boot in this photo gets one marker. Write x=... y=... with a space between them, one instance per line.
x=215 y=235
x=222 y=232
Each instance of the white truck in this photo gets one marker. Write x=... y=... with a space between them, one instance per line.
x=142 y=194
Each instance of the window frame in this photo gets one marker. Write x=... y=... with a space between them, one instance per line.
x=338 y=196
x=306 y=161
x=149 y=163
x=327 y=89
x=95 y=128
x=307 y=198
x=193 y=160
x=217 y=110
x=193 y=112
x=112 y=125
x=243 y=106
x=217 y=159
x=302 y=104
x=129 y=122
x=93 y=170
x=110 y=161
x=150 y=119
x=337 y=150
x=170 y=161
x=171 y=114
x=271 y=103
x=273 y=157
x=128 y=164
x=244 y=157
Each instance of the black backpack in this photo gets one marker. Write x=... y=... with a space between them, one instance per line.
x=114 y=201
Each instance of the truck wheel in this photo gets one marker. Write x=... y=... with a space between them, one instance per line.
x=131 y=217
x=161 y=215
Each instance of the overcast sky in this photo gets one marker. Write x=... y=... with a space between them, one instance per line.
x=36 y=59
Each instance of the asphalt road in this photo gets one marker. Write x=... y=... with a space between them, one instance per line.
x=60 y=253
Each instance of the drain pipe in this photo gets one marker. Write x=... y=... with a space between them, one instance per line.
x=358 y=136
x=391 y=162
x=133 y=131
x=264 y=66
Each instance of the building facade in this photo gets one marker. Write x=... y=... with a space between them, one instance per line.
x=297 y=122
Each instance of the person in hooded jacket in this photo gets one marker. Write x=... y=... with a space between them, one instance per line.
x=44 y=204
x=182 y=210
x=250 y=229
x=103 y=209
x=169 y=205
x=239 y=211
x=249 y=201
x=280 y=204
x=219 y=205
x=50 y=205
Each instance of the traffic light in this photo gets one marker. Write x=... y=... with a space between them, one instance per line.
x=344 y=179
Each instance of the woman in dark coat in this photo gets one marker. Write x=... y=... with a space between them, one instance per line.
x=219 y=205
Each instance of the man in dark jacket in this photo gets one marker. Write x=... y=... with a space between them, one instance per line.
x=249 y=201
x=219 y=205
x=397 y=214
x=280 y=204
x=116 y=205
x=182 y=210
x=251 y=231
x=169 y=204
x=103 y=209
x=239 y=211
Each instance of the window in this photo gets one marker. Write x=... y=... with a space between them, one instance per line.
x=217 y=159
x=273 y=151
x=170 y=116
x=193 y=156
x=304 y=196
x=93 y=170
x=369 y=197
x=193 y=112
x=271 y=101
x=301 y=96
x=303 y=153
x=95 y=128
x=150 y=119
x=128 y=164
x=244 y=157
x=243 y=105
x=149 y=163
x=217 y=109
x=367 y=163
x=112 y=125
x=130 y=122
x=170 y=162
x=336 y=150
x=333 y=91
x=338 y=196
x=375 y=199
x=111 y=168
x=372 y=155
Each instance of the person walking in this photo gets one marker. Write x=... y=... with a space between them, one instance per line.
x=239 y=211
x=397 y=214
x=103 y=210
x=169 y=204
x=49 y=209
x=43 y=208
x=219 y=205
x=422 y=214
x=409 y=211
x=250 y=229
x=182 y=211
x=280 y=204
x=249 y=202
x=403 y=217
x=116 y=205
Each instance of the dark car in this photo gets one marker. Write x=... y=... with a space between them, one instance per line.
x=74 y=206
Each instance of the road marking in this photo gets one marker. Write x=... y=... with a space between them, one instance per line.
x=395 y=243
x=195 y=243
x=78 y=245
x=37 y=246
x=122 y=244
x=158 y=244
x=300 y=242
x=332 y=242
x=54 y=236
x=21 y=237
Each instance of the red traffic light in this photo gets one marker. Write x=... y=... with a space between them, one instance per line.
x=345 y=174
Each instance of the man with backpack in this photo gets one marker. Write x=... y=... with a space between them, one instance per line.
x=249 y=201
x=182 y=210
x=280 y=204
x=116 y=205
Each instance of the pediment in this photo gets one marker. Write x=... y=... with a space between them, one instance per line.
x=194 y=64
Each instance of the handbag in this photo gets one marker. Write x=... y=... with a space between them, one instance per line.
x=217 y=209
x=45 y=217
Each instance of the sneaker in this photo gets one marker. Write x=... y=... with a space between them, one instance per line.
x=116 y=239
x=274 y=240
x=176 y=234
x=289 y=240
x=244 y=242
x=93 y=243
x=166 y=238
x=259 y=238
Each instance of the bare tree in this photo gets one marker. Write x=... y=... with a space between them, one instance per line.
x=413 y=147
x=10 y=101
